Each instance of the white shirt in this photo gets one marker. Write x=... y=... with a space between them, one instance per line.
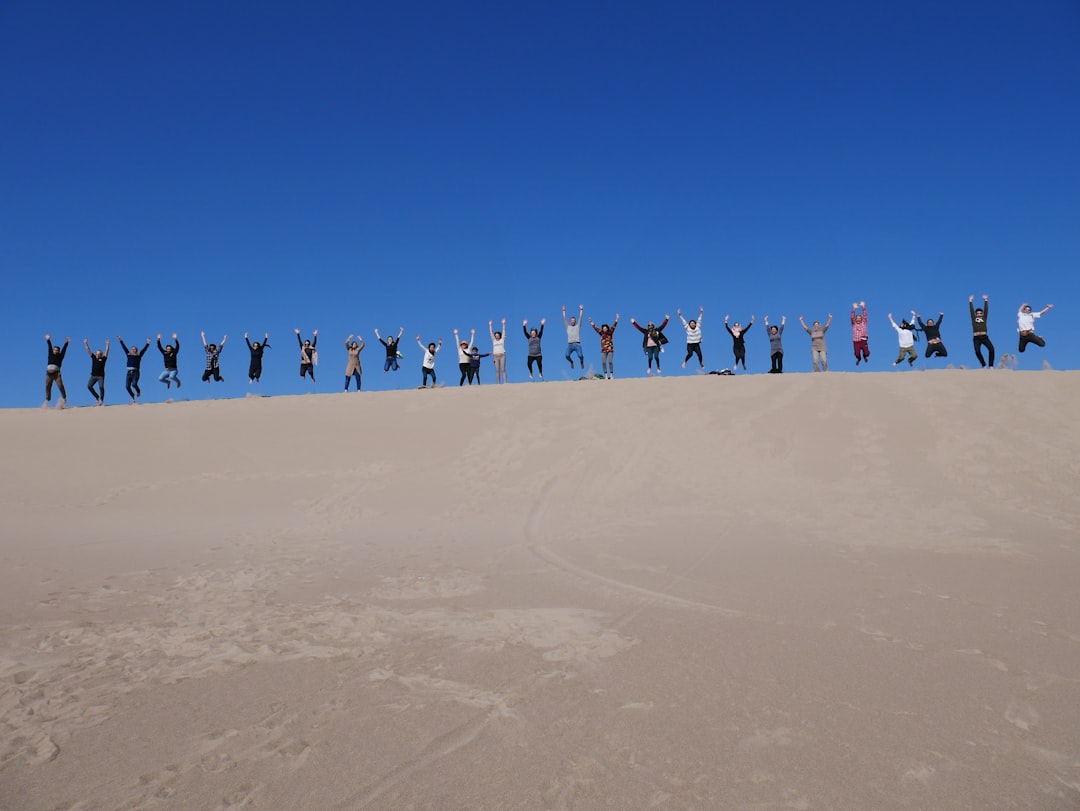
x=907 y=337
x=1025 y=322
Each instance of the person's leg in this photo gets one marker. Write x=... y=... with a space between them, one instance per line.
x=824 y=360
x=90 y=388
x=780 y=363
x=990 y=348
x=977 y=341
x=206 y=376
x=464 y=369
x=912 y=356
x=700 y=359
x=530 y=360
x=476 y=372
x=395 y=364
x=540 y=365
x=580 y=355
x=60 y=385
x=127 y=384
x=814 y=358
x=689 y=353
x=570 y=355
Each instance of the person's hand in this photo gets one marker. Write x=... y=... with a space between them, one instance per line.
x=417 y=337
x=315 y=332
x=678 y=311
x=667 y=317
x=617 y=317
x=159 y=336
x=890 y=316
x=854 y=305
x=830 y=315
x=985 y=297
x=725 y=319
x=174 y=336
x=543 y=321
x=971 y=298
x=1049 y=306
x=490 y=322
x=525 y=323
x=203 y=334
x=862 y=304
x=246 y=335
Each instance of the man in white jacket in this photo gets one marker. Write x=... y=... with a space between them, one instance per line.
x=1025 y=325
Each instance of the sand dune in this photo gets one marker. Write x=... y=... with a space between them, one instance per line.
x=802 y=592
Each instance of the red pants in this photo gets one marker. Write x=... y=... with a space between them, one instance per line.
x=862 y=349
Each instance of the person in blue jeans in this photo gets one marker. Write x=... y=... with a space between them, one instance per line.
x=134 y=367
x=653 y=340
x=169 y=353
x=573 y=336
x=391 y=345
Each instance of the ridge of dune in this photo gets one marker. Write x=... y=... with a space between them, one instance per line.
x=802 y=591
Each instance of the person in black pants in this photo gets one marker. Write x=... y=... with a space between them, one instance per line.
x=932 y=331
x=256 y=350
x=213 y=353
x=978 y=329
x=52 y=371
x=738 y=341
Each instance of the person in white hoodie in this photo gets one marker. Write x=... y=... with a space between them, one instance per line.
x=498 y=351
x=693 y=336
x=1025 y=325
x=906 y=333
x=464 y=350
x=428 y=365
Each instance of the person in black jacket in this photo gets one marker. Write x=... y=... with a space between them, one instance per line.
x=653 y=340
x=978 y=329
x=52 y=371
x=168 y=354
x=97 y=371
x=932 y=331
x=134 y=367
x=738 y=341
x=256 y=350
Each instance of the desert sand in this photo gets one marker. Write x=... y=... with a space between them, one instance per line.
x=834 y=591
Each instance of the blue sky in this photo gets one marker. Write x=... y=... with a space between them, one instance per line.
x=258 y=167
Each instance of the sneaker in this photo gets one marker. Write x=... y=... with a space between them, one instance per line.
x=658 y=370
x=178 y=382
x=649 y=371
x=168 y=385
x=684 y=364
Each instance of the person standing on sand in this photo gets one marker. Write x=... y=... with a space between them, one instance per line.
x=653 y=341
x=607 y=346
x=693 y=336
x=978 y=329
x=353 y=369
x=428 y=366
x=309 y=354
x=573 y=336
x=906 y=334
x=474 y=364
x=1025 y=325
x=498 y=351
x=97 y=371
x=859 y=335
x=134 y=367
x=53 y=373
x=932 y=331
x=391 y=346
x=255 y=363
x=213 y=355
x=464 y=348
x=169 y=353
x=776 y=345
x=818 y=352
x=536 y=354
x=738 y=341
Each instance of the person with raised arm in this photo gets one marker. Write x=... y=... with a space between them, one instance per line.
x=819 y=354
x=134 y=357
x=53 y=373
x=97 y=371
x=536 y=354
x=776 y=345
x=653 y=341
x=464 y=349
x=607 y=346
x=213 y=359
x=905 y=333
x=309 y=354
x=932 y=331
x=498 y=351
x=693 y=336
x=475 y=356
x=353 y=368
x=860 y=337
x=1025 y=325
x=255 y=349
x=391 y=347
x=573 y=336
x=169 y=353
x=738 y=341
x=428 y=365
x=979 y=338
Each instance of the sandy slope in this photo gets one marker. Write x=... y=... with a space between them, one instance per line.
x=799 y=592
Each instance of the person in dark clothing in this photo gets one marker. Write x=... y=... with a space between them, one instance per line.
x=738 y=341
x=97 y=371
x=169 y=353
x=978 y=329
x=213 y=354
x=653 y=341
x=256 y=350
x=309 y=355
x=52 y=371
x=1025 y=325
x=134 y=367
x=536 y=354
x=932 y=331
x=776 y=345
x=474 y=364
x=391 y=346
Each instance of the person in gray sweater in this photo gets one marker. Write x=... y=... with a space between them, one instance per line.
x=776 y=345
x=573 y=336
x=535 y=354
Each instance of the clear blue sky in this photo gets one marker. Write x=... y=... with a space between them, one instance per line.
x=262 y=166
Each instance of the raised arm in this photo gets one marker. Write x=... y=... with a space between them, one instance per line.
x=86 y=343
x=299 y=340
x=803 y=322
x=1046 y=309
x=203 y=334
x=565 y=322
x=827 y=323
